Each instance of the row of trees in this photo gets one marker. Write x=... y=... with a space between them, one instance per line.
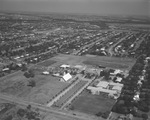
x=12 y=67
x=28 y=113
x=126 y=104
x=30 y=74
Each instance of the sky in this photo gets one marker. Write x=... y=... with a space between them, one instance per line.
x=99 y=7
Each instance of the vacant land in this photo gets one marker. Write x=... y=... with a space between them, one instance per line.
x=91 y=104
x=113 y=62
x=46 y=87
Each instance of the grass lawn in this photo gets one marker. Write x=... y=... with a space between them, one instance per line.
x=106 y=64
x=91 y=104
x=46 y=87
x=113 y=62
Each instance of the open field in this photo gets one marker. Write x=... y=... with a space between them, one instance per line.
x=91 y=104
x=47 y=63
x=113 y=62
x=106 y=64
x=46 y=87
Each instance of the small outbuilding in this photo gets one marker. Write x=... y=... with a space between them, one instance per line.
x=5 y=69
x=45 y=73
x=119 y=79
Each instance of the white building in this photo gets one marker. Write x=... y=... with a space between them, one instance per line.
x=65 y=66
x=117 y=71
x=45 y=73
x=119 y=79
x=5 y=69
x=99 y=90
x=103 y=88
x=66 y=77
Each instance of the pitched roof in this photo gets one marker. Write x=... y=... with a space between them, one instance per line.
x=119 y=79
x=67 y=76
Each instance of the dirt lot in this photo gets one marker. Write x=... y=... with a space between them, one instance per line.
x=91 y=104
x=46 y=87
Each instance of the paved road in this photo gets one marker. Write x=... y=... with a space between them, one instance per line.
x=51 y=111
x=138 y=42
x=91 y=44
x=110 y=50
x=62 y=93
x=76 y=94
x=22 y=48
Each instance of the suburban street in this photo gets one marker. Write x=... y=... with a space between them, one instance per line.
x=49 y=110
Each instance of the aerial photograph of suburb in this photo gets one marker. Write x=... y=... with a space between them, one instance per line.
x=74 y=59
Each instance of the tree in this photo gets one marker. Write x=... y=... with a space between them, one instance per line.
x=30 y=115
x=2 y=74
x=105 y=73
x=24 y=67
x=72 y=108
x=32 y=83
x=27 y=75
x=10 y=117
x=29 y=107
x=144 y=116
x=31 y=72
x=37 y=119
x=98 y=114
x=134 y=112
x=21 y=112
x=143 y=106
x=120 y=102
x=105 y=114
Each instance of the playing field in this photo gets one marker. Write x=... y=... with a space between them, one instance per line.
x=112 y=62
x=46 y=87
x=91 y=104
x=107 y=64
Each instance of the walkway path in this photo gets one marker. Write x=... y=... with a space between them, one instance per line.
x=76 y=94
x=63 y=93
x=43 y=108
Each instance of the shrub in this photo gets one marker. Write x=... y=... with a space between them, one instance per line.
x=21 y=112
x=145 y=116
